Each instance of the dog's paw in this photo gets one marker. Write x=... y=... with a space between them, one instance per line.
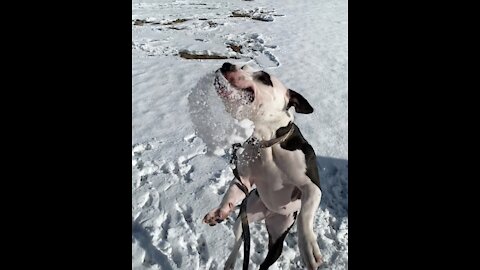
x=217 y=215
x=309 y=251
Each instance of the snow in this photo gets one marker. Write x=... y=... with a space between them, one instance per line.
x=180 y=135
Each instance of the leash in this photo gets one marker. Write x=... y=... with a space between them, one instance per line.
x=243 y=206
x=245 y=232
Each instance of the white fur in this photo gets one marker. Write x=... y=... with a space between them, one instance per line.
x=274 y=171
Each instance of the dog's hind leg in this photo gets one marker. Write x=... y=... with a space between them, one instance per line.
x=277 y=227
x=256 y=211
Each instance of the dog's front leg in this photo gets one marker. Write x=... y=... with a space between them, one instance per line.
x=233 y=197
x=309 y=250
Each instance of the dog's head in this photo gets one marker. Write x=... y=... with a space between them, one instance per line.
x=256 y=95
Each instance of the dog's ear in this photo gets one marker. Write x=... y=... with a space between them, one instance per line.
x=299 y=102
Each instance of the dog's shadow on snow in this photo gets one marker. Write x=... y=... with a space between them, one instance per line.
x=334 y=186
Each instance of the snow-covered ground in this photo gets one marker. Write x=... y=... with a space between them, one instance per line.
x=177 y=176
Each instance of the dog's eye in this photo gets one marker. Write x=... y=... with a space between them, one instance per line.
x=244 y=66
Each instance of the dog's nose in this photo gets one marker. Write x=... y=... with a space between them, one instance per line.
x=227 y=67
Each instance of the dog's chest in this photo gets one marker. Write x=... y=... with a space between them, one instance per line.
x=275 y=172
x=272 y=161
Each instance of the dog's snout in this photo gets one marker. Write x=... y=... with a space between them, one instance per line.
x=226 y=67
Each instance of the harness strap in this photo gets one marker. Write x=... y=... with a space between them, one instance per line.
x=269 y=143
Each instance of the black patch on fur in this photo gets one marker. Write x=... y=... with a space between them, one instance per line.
x=264 y=78
x=299 y=102
x=296 y=141
x=227 y=67
x=275 y=249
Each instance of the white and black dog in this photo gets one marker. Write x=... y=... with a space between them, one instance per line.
x=277 y=160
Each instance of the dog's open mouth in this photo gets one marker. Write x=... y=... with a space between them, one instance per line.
x=248 y=94
x=227 y=91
